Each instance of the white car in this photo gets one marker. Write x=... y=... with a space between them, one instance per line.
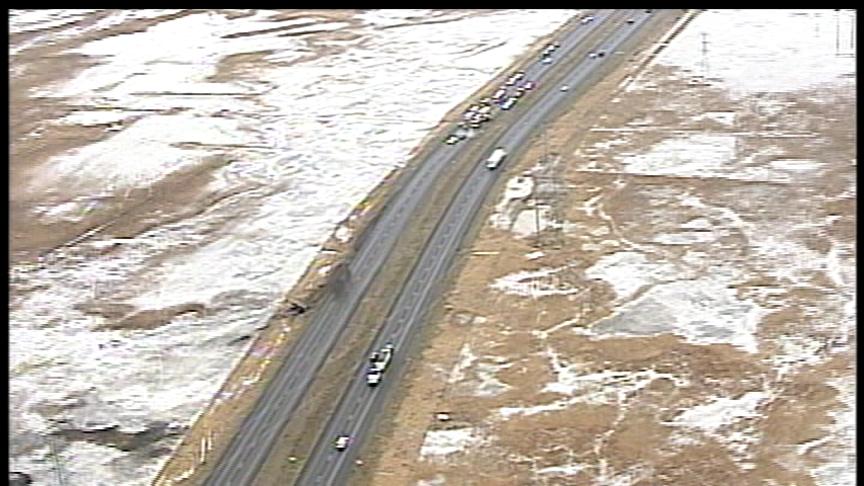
x=341 y=443
x=509 y=103
x=547 y=60
x=587 y=19
x=452 y=139
x=373 y=377
x=565 y=88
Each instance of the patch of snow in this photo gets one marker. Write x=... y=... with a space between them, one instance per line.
x=26 y=20
x=544 y=334
x=629 y=271
x=97 y=117
x=602 y=387
x=630 y=476
x=721 y=412
x=438 y=480
x=64 y=23
x=721 y=420
x=565 y=469
x=604 y=146
x=445 y=442
x=343 y=234
x=518 y=187
x=82 y=462
x=694 y=155
x=713 y=156
x=770 y=53
x=795 y=165
x=793 y=353
x=835 y=268
x=528 y=221
x=839 y=454
x=702 y=310
x=466 y=359
x=723 y=117
x=688 y=238
x=490 y=385
x=141 y=154
x=697 y=224
x=507 y=412
x=535 y=284
x=75 y=210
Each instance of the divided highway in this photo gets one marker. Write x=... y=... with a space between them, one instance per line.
x=252 y=444
x=360 y=404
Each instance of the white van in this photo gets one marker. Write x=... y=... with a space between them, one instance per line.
x=495 y=159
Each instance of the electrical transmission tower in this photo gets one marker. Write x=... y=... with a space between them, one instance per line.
x=548 y=194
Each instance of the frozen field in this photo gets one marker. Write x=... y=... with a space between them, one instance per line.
x=264 y=129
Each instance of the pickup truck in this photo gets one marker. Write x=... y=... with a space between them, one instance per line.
x=378 y=363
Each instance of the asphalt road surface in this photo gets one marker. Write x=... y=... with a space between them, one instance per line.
x=250 y=447
x=360 y=403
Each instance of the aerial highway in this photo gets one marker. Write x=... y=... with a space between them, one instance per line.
x=360 y=404
x=254 y=441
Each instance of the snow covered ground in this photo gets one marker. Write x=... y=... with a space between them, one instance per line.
x=309 y=129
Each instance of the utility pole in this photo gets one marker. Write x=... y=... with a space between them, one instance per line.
x=837 y=33
x=536 y=221
x=58 y=467
x=545 y=146
x=537 y=182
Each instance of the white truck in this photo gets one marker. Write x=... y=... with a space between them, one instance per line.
x=378 y=364
x=495 y=159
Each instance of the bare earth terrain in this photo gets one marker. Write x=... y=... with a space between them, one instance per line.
x=685 y=315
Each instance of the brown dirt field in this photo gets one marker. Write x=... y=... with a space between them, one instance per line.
x=488 y=354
